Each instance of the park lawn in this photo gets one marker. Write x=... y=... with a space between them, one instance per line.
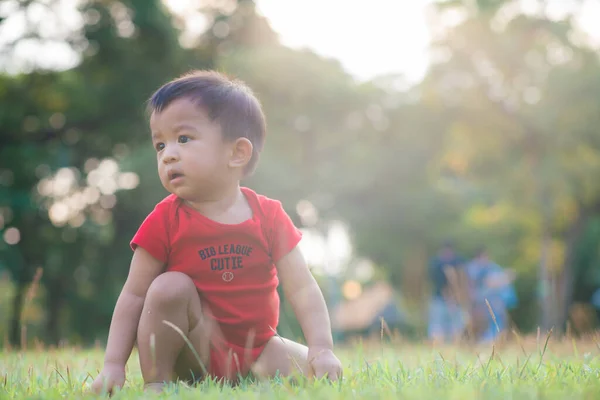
x=567 y=369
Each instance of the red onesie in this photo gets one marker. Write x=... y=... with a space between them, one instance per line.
x=233 y=267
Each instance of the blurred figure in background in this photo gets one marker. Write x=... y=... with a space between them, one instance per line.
x=446 y=321
x=488 y=281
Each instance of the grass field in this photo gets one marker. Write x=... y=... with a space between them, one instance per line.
x=535 y=368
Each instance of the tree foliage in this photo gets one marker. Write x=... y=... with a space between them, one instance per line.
x=497 y=146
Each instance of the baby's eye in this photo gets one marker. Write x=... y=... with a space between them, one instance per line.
x=159 y=146
x=183 y=139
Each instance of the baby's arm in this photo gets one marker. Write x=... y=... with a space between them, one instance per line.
x=304 y=294
x=123 y=328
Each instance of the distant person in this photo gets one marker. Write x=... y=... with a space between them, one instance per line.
x=209 y=257
x=446 y=321
x=490 y=282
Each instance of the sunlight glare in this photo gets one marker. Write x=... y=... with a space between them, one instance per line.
x=368 y=37
x=128 y=180
x=77 y=220
x=12 y=236
x=59 y=213
x=352 y=290
x=91 y=195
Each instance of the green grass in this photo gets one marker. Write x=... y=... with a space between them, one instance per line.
x=531 y=370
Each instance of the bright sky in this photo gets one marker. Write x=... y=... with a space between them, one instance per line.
x=374 y=37
x=369 y=37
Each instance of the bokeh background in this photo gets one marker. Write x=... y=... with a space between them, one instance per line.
x=393 y=127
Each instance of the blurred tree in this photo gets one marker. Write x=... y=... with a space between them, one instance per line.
x=130 y=49
x=525 y=96
x=498 y=144
x=69 y=121
x=18 y=211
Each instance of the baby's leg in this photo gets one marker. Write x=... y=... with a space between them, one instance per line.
x=163 y=353
x=281 y=357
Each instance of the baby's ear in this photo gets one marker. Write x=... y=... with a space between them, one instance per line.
x=241 y=153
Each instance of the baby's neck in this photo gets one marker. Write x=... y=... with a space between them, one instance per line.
x=230 y=206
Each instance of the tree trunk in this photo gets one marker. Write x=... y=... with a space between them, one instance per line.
x=17 y=310
x=572 y=238
x=545 y=296
x=54 y=303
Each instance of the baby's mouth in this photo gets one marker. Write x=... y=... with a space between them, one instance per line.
x=175 y=175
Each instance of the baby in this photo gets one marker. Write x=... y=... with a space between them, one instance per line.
x=201 y=295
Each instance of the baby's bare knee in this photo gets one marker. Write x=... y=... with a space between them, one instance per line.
x=170 y=288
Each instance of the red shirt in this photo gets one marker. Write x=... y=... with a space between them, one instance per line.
x=233 y=266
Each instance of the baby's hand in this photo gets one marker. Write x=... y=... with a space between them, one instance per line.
x=112 y=376
x=323 y=362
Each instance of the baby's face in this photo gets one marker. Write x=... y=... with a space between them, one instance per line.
x=191 y=153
